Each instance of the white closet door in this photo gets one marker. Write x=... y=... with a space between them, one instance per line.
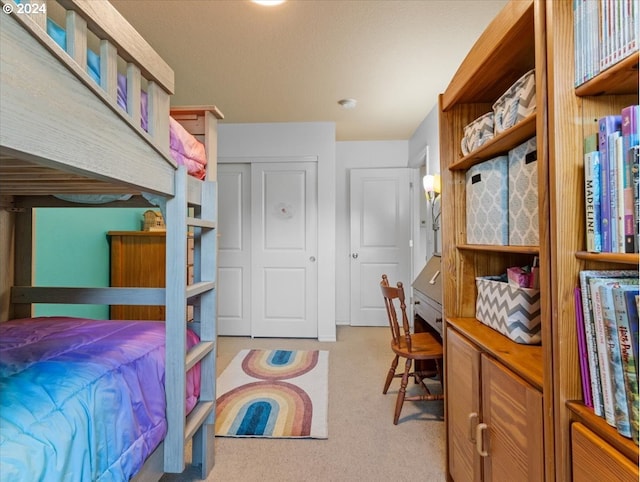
x=284 y=250
x=234 y=249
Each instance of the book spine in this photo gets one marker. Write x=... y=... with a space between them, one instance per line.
x=630 y=138
x=619 y=191
x=582 y=350
x=627 y=358
x=613 y=191
x=592 y=349
x=606 y=126
x=632 y=310
x=635 y=181
x=603 y=357
x=618 y=391
x=592 y=201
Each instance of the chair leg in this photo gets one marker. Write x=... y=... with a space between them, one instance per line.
x=440 y=374
x=402 y=392
x=390 y=374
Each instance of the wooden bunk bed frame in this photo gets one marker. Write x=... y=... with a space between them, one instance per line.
x=62 y=133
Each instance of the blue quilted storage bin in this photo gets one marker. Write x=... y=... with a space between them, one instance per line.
x=487 y=196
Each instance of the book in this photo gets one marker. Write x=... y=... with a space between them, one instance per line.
x=589 y=326
x=614 y=167
x=606 y=126
x=630 y=138
x=592 y=201
x=634 y=153
x=627 y=358
x=614 y=357
x=604 y=367
x=632 y=310
x=582 y=350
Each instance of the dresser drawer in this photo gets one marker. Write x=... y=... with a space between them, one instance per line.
x=595 y=460
x=428 y=310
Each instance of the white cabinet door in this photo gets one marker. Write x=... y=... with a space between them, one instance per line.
x=284 y=250
x=380 y=239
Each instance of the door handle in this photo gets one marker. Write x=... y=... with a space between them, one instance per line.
x=480 y=441
x=473 y=419
x=354 y=255
x=312 y=259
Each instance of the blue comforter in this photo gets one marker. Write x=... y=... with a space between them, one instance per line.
x=81 y=400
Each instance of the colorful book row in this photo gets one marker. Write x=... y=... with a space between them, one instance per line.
x=607 y=327
x=605 y=32
x=611 y=182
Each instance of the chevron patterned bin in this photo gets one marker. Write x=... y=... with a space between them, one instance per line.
x=516 y=103
x=513 y=311
x=477 y=133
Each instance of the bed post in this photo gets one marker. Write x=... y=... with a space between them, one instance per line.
x=23 y=261
x=7 y=254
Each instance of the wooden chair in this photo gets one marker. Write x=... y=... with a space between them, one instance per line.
x=411 y=347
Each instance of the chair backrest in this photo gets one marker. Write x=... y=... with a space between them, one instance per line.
x=391 y=293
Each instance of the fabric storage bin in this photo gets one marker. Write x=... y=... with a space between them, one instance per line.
x=516 y=103
x=487 y=196
x=510 y=310
x=523 y=195
x=477 y=133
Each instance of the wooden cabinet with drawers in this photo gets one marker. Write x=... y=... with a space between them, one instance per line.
x=138 y=260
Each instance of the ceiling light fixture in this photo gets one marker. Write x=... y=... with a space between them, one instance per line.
x=348 y=103
x=268 y=3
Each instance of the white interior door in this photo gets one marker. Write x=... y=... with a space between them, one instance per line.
x=380 y=239
x=234 y=249
x=284 y=249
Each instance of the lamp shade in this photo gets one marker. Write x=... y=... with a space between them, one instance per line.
x=431 y=183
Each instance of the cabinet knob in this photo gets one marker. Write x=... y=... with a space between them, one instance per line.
x=354 y=255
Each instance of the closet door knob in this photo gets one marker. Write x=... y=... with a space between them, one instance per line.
x=354 y=255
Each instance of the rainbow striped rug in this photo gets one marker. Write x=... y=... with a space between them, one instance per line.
x=274 y=394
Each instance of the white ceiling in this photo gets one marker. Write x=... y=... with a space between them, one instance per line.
x=293 y=62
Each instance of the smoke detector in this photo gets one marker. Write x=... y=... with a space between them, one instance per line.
x=348 y=103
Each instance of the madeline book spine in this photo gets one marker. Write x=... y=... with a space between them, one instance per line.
x=592 y=201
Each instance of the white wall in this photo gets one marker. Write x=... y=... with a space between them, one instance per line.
x=356 y=155
x=241 y=142
x=426 y=134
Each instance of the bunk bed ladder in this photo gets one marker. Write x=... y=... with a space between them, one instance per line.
x=198 y=426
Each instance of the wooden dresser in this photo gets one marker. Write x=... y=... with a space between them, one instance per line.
x=138 y=260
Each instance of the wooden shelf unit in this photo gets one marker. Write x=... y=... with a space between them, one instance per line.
x=571 y=117
x=512 y=44
x=528 y=34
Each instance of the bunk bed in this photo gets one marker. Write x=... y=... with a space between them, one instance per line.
x=64 y=132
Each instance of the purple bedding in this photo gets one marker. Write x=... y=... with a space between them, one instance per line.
x=82 y=399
